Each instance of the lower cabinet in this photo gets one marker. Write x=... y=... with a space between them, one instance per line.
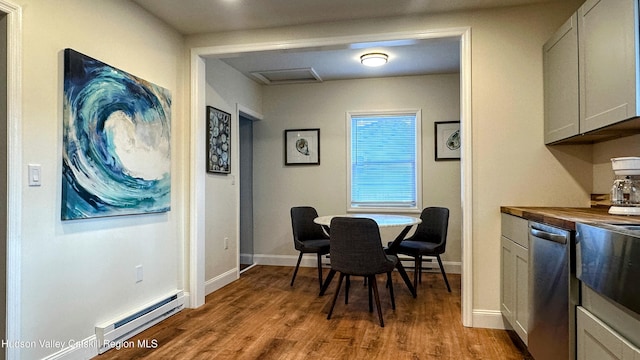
x=514 y=270
x=597 y=341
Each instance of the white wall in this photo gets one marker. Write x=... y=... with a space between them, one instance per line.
x=511 y=164
x=77 y=274
x=324 y=106
x=226 y=88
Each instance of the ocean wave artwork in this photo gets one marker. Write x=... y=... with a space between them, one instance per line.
x=116 y=142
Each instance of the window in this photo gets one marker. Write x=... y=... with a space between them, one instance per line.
x=385 y=167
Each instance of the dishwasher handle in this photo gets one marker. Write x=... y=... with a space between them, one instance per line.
x=562 y=239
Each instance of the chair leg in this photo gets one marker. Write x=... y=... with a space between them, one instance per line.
x=420 y=271
x=374 y=285
x=320 y=269
x=335 y=296
x=295 y=272
x=369 y=292
x=444 y=275
x=416 y=270
x=347 y=286
x=390 y=286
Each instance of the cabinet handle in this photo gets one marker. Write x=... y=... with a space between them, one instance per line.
x=549 y=236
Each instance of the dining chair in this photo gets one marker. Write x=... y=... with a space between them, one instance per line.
x=356 y=250
x=429 y=239
x=308 y=237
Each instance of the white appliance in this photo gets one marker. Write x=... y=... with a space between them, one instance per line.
x=625 y=192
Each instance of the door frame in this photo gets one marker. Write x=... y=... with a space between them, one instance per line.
x=253 y=116
x=198 y=106
x=14 y=171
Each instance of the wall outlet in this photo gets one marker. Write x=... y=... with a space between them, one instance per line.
x=139 y=273
x=226 y=243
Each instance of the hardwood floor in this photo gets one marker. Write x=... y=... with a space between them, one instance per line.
x=261 y=317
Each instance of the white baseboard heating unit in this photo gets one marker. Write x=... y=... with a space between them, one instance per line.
x=113 y=333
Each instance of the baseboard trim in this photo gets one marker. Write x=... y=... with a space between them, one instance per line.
x=488 y=319
x=221 y=280
x=310 y=260
x=246 y=258
x=76 y=349
x=450 y=267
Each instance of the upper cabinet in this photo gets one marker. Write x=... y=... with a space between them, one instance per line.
x=608 y=48
x=591 y=74
x=561 y=109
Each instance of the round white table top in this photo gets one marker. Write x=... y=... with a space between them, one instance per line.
x=383 y=220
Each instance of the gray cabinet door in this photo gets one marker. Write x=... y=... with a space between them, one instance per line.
x=561 y=109
x=607 y=61
x=596 y=341
x=514 y=270
x=507 y=280
x=521 y=316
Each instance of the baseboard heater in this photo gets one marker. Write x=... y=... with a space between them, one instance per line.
x=112 y=333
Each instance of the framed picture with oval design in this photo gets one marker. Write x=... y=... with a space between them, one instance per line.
x=447 y=135
x=302 y=147
x=218 y=141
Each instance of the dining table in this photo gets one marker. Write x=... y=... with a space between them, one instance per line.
x=383 y=221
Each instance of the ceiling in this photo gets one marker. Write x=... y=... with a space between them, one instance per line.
x=432 y=56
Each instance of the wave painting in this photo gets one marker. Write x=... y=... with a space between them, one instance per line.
x=116 y=146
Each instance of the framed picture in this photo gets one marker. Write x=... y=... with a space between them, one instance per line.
x=218 y=141
x=116 y=136
x=447 y=135
x=302 y=147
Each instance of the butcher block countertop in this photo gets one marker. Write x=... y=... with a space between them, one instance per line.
x=566 y=218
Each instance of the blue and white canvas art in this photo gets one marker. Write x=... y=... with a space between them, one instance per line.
x=116 y=142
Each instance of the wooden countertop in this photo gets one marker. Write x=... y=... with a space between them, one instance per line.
x=566 y=218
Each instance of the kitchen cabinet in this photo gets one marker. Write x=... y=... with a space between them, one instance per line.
x=514 y=270
x=608 y=47
x=560 y=61
x=597 y=341
x=601 y=41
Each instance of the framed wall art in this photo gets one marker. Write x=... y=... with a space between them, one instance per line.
x=302 y=147
x=218 y=141
x=116 y=156
x=447 y=140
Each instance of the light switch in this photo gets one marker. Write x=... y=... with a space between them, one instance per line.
x=35 y=175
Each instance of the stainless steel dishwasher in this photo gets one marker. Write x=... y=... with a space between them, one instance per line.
x=553 y=293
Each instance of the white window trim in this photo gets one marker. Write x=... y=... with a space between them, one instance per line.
x=418 y=115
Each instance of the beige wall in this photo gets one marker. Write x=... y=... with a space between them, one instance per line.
x=77 y=274
x=602 y=153
x=324 y=106
x=511 y=164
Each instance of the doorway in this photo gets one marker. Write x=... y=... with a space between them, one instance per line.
x=246 y=191
x=198 y=104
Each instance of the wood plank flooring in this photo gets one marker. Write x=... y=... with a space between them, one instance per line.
x=261 y=317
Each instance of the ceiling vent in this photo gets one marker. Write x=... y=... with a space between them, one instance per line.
x=287 y=76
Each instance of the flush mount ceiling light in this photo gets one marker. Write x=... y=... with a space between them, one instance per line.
x=374 y=59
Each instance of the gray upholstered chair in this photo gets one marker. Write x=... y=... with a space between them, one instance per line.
x=356 y=249
x=308 y=237
x=429 y=239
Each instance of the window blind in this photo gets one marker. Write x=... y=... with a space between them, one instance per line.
x=383 y=161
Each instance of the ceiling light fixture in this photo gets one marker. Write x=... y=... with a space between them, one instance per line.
x=374 y=59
